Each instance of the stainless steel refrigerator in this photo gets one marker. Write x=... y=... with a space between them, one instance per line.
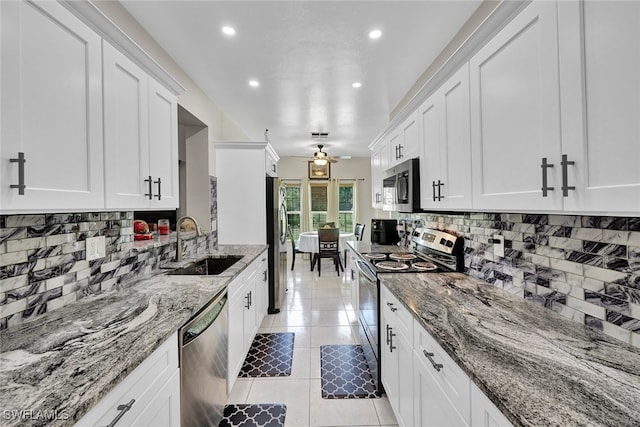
x=276 y=239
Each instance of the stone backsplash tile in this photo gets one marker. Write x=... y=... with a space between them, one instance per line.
x=43 y=266
x=587 y=268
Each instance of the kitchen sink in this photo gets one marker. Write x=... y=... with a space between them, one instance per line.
x=208 y=266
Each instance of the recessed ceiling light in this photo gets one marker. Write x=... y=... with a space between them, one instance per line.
x=230 y=31
x=254 y=83
x=375 y=34
x=356 y=85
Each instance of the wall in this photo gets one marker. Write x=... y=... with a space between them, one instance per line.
x=194 y=99
x=43 y=266
x=585 y=268
x=357 y=167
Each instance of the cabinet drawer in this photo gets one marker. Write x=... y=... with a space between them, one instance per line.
x=141 y=386
x=393 y=307
x=453 y=381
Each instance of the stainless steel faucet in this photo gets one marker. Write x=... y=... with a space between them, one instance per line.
x=179 y=239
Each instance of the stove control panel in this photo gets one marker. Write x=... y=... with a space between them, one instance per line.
x=435 y=239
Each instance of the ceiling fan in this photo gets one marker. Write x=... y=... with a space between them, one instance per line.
x=321 y=158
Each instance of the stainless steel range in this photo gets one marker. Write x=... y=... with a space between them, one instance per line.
x=429 y=251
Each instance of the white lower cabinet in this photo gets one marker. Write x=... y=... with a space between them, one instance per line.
x=247 y=305
x=151 y=392
x=442 y=390
x=424 y=385
x=483 y=412
x=397 y=357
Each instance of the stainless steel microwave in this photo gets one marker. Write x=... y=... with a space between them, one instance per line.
x=401 y=187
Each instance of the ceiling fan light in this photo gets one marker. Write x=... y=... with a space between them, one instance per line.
x=320 y=161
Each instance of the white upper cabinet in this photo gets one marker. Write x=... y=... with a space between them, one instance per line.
x=515 y=115
x=379 y=163
x=600 y=84
x=163 y=146
x=51 y=111
x=126 y=116
x=445 y=163
x=404 y=141
x=141 y=137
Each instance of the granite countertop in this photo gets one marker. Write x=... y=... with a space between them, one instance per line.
x=69 y=359
x=538 y=368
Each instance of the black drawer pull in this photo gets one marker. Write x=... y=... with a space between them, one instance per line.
x=123 y=410
x=159 y=182
x=565 y=175
x=429 y=356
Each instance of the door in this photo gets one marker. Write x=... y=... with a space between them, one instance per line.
x=600 y=83
x=163 y=145
x=431 y=137
x=455 y=151
x=126 y=131
x=515 y=118
x=51 y=84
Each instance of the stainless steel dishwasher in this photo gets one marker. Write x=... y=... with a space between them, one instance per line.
x=203 y=365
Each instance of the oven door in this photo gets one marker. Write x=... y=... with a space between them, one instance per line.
x=369 y=319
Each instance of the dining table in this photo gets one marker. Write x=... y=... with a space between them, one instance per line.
x=308 y=241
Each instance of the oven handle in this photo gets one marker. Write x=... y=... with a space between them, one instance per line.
x=366 y=271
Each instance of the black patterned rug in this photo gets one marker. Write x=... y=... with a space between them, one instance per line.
x=270 y=355
x=345 y=373
x=245 y=415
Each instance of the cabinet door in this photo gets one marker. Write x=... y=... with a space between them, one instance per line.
x=376 y=179
x=126 y=131
x=410 y=144
x=515 y=118
x=163 y=145
x=262 y=291
x=388 y=361
x=455 y=151
x=432 y=408
x=164 y=408
x=51 y=84
x=600 y=83
x=483 y=412
x=431 y=137
x=236 y=307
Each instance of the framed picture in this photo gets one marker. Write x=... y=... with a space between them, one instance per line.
x=319 y=172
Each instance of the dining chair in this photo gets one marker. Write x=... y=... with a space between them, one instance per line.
x=358 y=232
x=328 y=248
x=294 y=250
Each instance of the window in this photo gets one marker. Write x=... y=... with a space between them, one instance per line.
x=294 y=210
x=345 y=208
x=318 y=205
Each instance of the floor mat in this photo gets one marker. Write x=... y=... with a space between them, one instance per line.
x=345 y=373
x=245 y=415
x=270 y=355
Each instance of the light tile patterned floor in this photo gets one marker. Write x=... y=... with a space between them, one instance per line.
x=319 y=311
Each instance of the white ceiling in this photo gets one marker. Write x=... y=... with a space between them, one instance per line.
x=306 y=55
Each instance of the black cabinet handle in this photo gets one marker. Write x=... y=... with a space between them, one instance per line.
x=123 y=410
x=565 y=178
x=388 y=330
x=273 y=168
x=159 y=182
x=20 y=160
x=545 y=166
x=433 y=188
x=391 y=346
x=440 y=196
x=264 y=277
x=429 y=356
x=400 y=153
x=248 y=298
x=150 y=182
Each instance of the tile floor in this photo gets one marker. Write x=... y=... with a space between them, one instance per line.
x=319 y=311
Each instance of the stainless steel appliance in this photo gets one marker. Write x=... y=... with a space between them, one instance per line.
x=429 y=251
x=384 y=231
x=276 y=239
x=203 y=365
x=401 y=187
